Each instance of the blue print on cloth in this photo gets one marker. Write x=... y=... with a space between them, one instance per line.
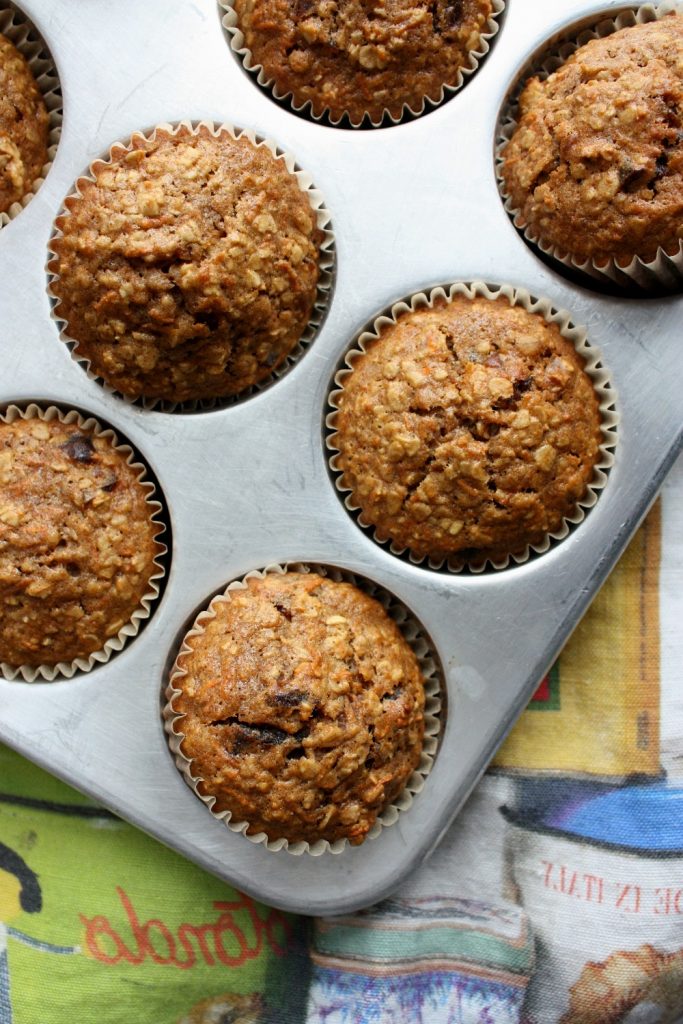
x=26 y=940
x=5 y=1007
x=433 y=997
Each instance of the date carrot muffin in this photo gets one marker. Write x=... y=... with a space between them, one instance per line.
x=595 y=163
x=467 y=428
x=23 y=127
x=354 y=57
x=77 y=544
x=188 y=268
x=302 y=708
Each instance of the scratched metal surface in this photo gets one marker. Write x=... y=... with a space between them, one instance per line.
x=412 y=205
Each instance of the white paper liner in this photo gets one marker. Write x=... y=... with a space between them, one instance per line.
x=592 y=365
x=664 y=271
x=67 y=669
x=411 y=630
x=19 y=30
x=326 y=264
x=235 y=36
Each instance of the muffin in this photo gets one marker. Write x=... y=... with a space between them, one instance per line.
x=77 y=542
x=467 y=428
x=594 y=165
x=301 y=708
x=357 y=58
x=187 y=266
x=23 y=127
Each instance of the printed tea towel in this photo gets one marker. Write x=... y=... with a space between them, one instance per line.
x=555 y=898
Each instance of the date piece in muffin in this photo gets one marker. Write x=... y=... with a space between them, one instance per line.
x=470 y=427
x=23 y=127
x=77 y=544
x=356 y=57
x=188 y=268
x=302 y=708
x=595 y=163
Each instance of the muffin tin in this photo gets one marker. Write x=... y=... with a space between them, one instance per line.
x=413 y=206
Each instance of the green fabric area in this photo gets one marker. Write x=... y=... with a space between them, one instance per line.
x=410 y=943
x=19 y=777
x=156 y=934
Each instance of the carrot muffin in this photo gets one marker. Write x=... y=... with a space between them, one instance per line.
x=188 y=268
x=23 y=127
x=302 y=708
x=470 y=427
x=354 y=57
x=595 y=163
x=77 y=543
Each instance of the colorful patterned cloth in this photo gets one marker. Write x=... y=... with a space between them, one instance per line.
x=555 y=898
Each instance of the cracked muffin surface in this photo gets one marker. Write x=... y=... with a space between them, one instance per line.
x=303 y=708
x=188 y=268
x=470 y=427
x=77 y=544
x=360 y=57
x=23 y=127
x=595 y=163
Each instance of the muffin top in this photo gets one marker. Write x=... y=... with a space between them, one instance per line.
x=23 y=127
x=303 y=708
x=357 y=57
x=595 y=164
x=188 y=268
x=470 y=427
x=77 y=543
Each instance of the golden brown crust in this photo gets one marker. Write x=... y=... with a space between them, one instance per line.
x=469 y=427
x=303 y=708
x=23 y=127
x=595 y=164
x=77 y=543
x=188 y=269
x=606 y=992
x=349 y=56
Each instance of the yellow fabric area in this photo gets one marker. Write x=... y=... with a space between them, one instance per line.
x=607 y=724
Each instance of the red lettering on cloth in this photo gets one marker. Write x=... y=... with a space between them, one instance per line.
x=238 y=935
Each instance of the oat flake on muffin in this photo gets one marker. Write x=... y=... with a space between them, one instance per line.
x=188 y=269
x=302 y=708
x=467 y=428
x=23 y=127
x=363 y=58
x=595 y=163
x=77 y=542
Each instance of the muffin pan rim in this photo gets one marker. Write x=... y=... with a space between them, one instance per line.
x=62 y=725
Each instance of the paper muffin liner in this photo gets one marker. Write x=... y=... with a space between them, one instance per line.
x=665 y=270
x=411 y=630
x=326 y=262
x=20 y=31
x=67 y=669
x=235 y=36
x=592 y=366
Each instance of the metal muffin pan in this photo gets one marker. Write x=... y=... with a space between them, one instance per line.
x=412 y=206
